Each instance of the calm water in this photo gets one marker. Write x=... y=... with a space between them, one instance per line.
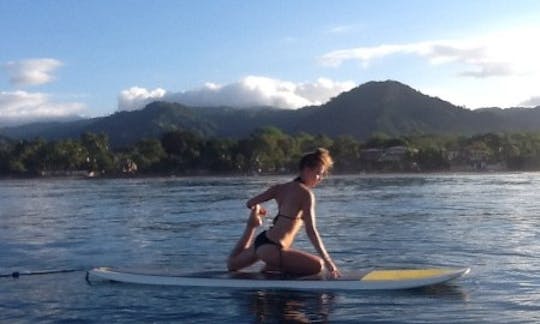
x=489 y=222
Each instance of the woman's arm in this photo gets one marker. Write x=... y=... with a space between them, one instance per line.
x=308 y=215
x=260 y=198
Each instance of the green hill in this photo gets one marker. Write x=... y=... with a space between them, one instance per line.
x=386 y=107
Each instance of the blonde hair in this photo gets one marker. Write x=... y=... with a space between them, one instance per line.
x=320 y=156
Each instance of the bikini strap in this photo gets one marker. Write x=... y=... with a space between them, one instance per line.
x=293 y=219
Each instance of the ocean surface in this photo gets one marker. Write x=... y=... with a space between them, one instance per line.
x=490 y=222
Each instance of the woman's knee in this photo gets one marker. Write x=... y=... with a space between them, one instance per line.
x=302 y=263
x=317 y=265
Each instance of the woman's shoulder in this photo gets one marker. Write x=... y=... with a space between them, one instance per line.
x=297 y=188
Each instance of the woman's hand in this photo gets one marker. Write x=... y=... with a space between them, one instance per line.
x=255 y=218
x=332 y=269
x=261 y=211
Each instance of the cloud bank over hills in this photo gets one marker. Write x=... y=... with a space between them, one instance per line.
x=23 y=106
x=251 y=91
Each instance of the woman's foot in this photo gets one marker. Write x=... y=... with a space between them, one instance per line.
x=255 y=217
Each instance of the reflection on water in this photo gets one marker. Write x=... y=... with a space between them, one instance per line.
x=291 y=307
x=443 y=292
x=278 y=306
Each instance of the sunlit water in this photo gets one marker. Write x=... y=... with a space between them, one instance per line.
x=489 y=222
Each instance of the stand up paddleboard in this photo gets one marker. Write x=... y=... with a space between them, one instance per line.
x=365 y=280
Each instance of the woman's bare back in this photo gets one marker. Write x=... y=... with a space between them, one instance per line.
x=291 y=198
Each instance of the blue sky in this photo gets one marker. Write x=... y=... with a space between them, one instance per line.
x=93 y=58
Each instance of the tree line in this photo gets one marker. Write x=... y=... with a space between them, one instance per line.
x=267 y=150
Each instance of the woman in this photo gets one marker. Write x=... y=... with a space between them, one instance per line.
x=296 y=206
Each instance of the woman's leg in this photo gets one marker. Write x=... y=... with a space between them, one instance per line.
x=270 y=254
x=289 y=260
x=300 y=263
x=243 y=254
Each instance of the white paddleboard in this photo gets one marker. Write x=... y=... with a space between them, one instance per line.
x=365 y=280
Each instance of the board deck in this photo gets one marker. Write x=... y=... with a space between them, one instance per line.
x=370 y=279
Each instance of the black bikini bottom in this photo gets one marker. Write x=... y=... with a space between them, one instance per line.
x=262 y=239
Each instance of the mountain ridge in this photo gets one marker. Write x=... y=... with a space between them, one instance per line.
x=374 y=107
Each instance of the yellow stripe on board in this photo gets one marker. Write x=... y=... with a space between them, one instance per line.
x=377 y=275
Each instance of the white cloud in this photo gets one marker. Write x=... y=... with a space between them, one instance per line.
x=251 y=91
x=505 y=53
x=20 y=107
x=136 y=98
x=32 y=71
x=323 y=89
x=531 y=102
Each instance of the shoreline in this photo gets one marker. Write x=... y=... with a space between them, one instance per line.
x=86 y=176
